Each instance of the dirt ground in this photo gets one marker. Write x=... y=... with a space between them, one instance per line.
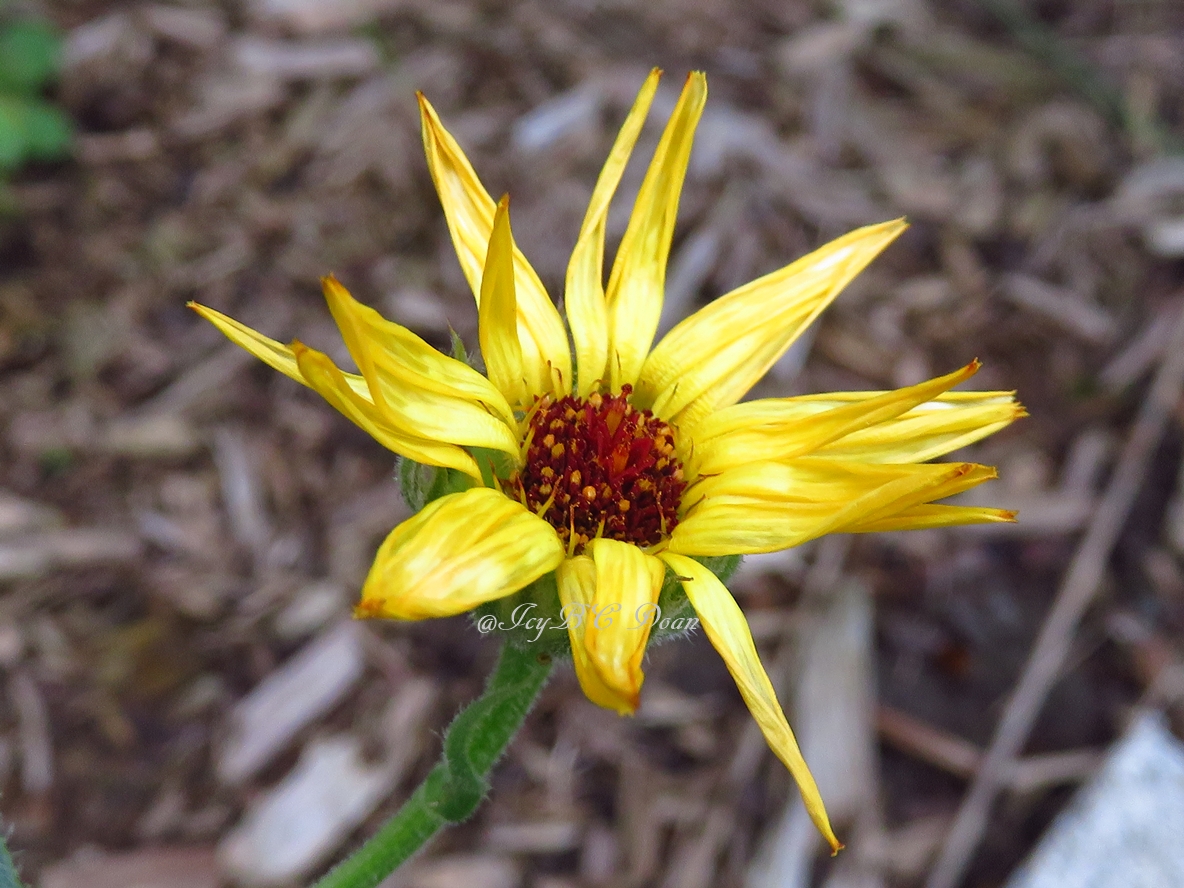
x=183 y=531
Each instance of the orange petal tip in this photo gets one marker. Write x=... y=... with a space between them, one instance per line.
x=367 y=609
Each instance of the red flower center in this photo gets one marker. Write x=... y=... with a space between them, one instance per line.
x=601 y=468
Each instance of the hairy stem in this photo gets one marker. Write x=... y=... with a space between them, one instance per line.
x=454 y=788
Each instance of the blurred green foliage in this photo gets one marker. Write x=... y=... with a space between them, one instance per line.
x=30 y=127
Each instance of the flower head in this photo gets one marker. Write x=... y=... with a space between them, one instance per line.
x=627 y=472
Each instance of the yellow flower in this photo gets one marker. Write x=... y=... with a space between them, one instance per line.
x=639 y=460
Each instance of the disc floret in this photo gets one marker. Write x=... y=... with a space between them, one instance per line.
x=600 y=467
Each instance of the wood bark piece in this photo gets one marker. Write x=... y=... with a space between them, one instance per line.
x=143 y=868
x=303 y=689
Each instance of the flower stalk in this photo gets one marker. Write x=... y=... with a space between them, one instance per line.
x=456 y=786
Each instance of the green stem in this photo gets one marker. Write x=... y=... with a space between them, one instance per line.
x=454 y=788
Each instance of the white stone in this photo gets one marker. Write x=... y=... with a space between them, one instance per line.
x=1126 y=828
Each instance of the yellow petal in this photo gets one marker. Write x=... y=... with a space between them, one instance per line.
x=320 y=373
x=416 y=410
x=926 y=432
x=728 y=632
x=577 y=591
x=402 y=358
x=930 y=516
x=623 y=612
x=755 y=431
x=497 y=322
x=460 y=551
x=583 y=297
x=470 y=210
x=714 y=357
x=638 y=280
x=764 y=507
x=276 y=355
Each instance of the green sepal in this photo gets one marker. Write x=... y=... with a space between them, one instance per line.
x=459 y=352
x=422 y=484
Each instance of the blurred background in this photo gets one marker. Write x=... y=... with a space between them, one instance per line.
x=183 y=699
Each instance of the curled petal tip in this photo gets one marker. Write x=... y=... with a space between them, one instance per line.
x=627 y=706
x=835 y=847
x=367 y=609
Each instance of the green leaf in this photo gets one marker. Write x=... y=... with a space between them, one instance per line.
x=29 y=56
x=8 y=876
x=12 y=137
x=48 y=132
x=30 y=129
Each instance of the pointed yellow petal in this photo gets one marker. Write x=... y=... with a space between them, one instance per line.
x=497 y=321
x=274 y=354
x=764 y=507
x=583 y=297
x=638 y=280
x=460 y=551
x=320 y=373
x=416 y=410
x=716 y=355
x=623 y=611
x=755 y=431
x=400 y=357
x=929 y=516
x=576 y=579
x=470 y=210
x=926 y=432
x=727 y=630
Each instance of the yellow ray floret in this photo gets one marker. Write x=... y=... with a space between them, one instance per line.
x=583 y=295
x=398 y=357
x=460 y=551
x=715 y=356
x=576 y=579
x=627 y=585
x=322 y=375
x=768 y=506
x=498 y=313
x=637 y=283
x=727 y=630
x=755 y=431
x=470 y=211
